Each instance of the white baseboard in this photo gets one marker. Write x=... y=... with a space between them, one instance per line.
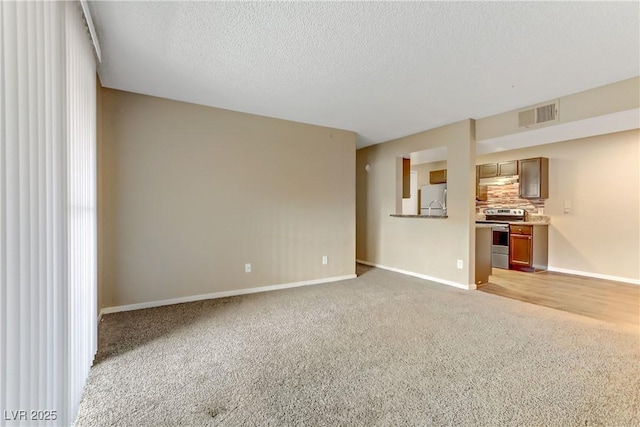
x=594 y=275
x=420 y=276
x=224 y=294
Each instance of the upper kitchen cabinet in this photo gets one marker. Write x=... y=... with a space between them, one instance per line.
x=534 y=178
x=438 y=176
x=490 y=170
x=406 y=178
x=481 y=190
x=508 y=168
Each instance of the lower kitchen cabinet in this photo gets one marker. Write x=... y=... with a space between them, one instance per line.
x=528 y=247
x=521 y=250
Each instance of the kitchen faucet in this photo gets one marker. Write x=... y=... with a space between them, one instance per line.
x=444 y=210
x=444 y=202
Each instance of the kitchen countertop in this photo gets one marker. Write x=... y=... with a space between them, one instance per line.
x=484 y=225
x=532 y=219
x=418 y=216
x=514 y=223
x=478 y=225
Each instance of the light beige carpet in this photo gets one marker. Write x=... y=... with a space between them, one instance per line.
x=382 y=349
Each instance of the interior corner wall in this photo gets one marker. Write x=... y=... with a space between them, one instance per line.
x=600 y=178
x=192 y=193
x=428 y=247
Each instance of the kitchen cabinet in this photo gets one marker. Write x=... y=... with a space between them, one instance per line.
x=520 y=251
x=491 y=170
x=528 y=247
x=438 y=176
x=534 y=178
x=508 y=168
x=481 y=190
x=406 y=178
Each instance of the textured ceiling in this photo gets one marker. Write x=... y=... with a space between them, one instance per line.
x=381 y=69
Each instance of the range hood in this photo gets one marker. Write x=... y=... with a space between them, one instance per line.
x=498 y=180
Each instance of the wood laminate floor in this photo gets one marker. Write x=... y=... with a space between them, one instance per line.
x=600 y=299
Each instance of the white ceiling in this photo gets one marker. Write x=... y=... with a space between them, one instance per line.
x=381 y=69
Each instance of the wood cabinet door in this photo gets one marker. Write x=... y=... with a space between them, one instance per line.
x=482 y=194
x=521 y=229
x=481 y=191
x=530 y=178
x=438 y=176
x=520 y=250
x=406 y=178
x=489 y=170
x=508 y=168
x=534 y=178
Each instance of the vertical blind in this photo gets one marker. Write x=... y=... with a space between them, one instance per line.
x=48 y=243
x=81 y=204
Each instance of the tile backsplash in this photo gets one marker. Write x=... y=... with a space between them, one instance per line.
x=506 y=196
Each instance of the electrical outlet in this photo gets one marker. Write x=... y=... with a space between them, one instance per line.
x=325 y=260
x=247 y=268
x=460 y=264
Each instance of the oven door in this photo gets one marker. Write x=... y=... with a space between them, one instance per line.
x=500 y=247
x=500 y=235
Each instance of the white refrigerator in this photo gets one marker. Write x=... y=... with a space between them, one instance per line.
x=434 y=195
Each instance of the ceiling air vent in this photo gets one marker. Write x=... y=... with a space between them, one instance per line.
x=542 y=114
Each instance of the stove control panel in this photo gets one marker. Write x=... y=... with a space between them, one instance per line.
x=507 y=215
x=509 y=212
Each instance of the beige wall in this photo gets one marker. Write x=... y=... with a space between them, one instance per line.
x=190 y=194
x=599 y=176
x=425 y=246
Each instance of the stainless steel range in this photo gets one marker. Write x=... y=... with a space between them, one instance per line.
x=500 y=233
